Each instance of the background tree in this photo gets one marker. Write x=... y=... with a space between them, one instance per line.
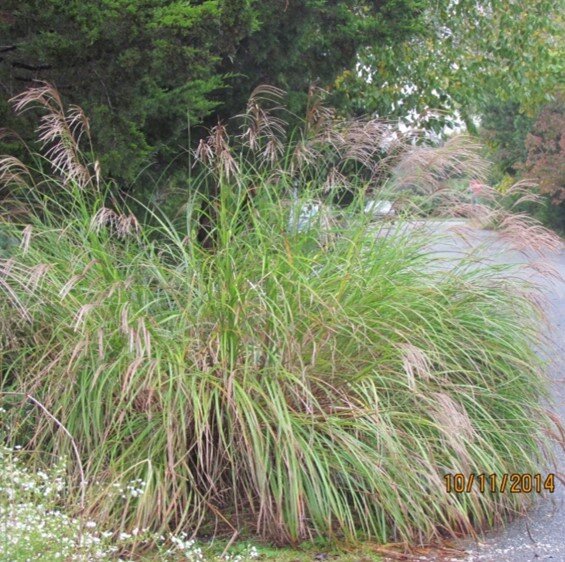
x=529 y=147
x=503 y=130
x=145 y=71
x=469 y=54
x=545 y=147
x=545 y=160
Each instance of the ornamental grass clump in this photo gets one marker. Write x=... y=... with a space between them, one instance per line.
x=263 y=378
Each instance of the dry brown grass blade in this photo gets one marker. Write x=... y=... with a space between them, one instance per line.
x=8 y=274
x=455 y=424
x=263 y=131
x=426 y=168
x=215 y=152
x=13 y=172
x=319 y=117
x=60 y=133
x=416 y=363
x=559 y=434
x=26 y=238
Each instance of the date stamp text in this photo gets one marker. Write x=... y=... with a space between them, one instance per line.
x=514 y=483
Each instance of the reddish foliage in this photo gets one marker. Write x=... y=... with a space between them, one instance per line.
x=546 y=151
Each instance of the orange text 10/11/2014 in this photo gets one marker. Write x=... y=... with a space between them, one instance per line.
x=514 y=483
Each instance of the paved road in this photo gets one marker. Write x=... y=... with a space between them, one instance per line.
x=540 y=535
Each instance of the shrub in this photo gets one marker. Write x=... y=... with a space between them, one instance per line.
x=283 y=382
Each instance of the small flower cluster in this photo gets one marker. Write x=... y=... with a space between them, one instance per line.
x=37 y=528
x=133 y=489
x=187 y=547
x=189 y=550
x=250 y=553
x=34 y=526
x=15 y=479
